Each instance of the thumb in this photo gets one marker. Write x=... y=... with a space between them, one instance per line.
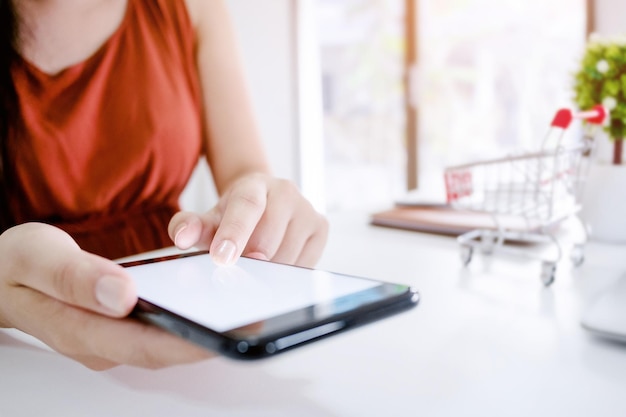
x=48 y=260
x=94 y=283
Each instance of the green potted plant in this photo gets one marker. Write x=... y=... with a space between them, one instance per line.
x=601 y=79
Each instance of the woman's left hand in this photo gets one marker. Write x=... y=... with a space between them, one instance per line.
x=259 y=216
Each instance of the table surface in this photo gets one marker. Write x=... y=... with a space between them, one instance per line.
x=486 y=340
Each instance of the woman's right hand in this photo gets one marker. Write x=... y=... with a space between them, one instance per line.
x=77 y=303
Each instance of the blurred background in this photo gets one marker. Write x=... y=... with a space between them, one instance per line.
x=362 y=101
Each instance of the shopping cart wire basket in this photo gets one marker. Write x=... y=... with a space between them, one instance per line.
x=528 y=195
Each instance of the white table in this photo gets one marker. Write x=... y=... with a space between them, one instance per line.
x=488 y=340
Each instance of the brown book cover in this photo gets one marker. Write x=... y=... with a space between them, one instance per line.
x=443 y=220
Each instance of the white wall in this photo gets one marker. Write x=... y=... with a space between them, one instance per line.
x=265 y=32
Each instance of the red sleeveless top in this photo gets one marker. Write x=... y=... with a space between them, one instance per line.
x=104 y=149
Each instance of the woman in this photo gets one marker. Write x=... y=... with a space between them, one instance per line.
x=106 y=107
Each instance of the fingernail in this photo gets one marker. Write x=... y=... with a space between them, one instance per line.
x=111 y=293
x=225 y=253
x=178 y=239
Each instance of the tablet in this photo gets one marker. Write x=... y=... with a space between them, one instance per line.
x=256 y=309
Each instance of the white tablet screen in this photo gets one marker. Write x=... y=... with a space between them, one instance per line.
x=225 y=298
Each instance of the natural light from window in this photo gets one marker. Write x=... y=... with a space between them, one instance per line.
x=490 y=75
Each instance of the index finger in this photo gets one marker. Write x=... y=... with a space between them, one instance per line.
x=242 y=211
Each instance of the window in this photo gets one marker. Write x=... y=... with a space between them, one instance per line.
x=489 y=76
x=492 y=73
x=362 y=68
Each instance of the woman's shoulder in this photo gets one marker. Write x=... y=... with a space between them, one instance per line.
x=203 y=13
x=193 y=9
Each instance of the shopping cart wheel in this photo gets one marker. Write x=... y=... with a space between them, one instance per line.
x=577 y=255
x=548 y=272
x=487 y=242
x=466 y=254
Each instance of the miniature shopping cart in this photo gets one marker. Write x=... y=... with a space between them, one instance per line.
x=527 y=196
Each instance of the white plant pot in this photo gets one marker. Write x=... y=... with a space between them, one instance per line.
x=604 y=203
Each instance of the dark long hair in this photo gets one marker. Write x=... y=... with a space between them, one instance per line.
x=8 y=102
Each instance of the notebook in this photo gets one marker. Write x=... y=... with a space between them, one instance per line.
x=442 y=219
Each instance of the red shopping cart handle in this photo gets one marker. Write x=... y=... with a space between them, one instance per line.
x=597 y=115
x=601 y=114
